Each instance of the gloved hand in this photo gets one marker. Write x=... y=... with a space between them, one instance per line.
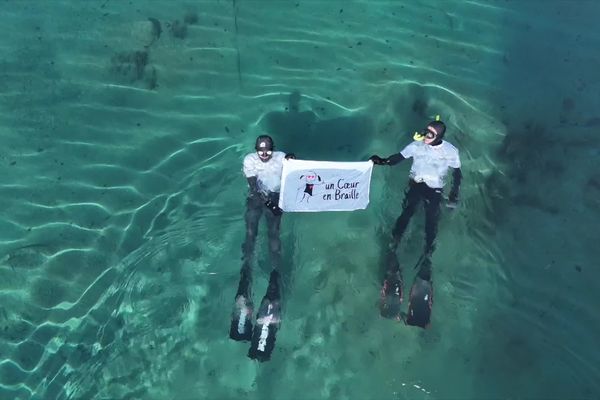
x=452 y=201
x=378 y=160
x=290 y=156
x=271 y=205
x=252 y=194
x=256 y=195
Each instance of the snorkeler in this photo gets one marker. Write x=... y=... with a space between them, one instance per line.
x=432 y=157
x=262 y=169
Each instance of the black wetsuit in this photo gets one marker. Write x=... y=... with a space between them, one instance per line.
x=262 y=337
x=432 y=198
x=255 y=208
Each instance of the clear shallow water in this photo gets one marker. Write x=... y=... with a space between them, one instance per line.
x=122 y=197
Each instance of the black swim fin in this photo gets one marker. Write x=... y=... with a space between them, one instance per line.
x=268 y=321
x=391 y=289
x=420 y=303
x=241 y=318
x=265 y=330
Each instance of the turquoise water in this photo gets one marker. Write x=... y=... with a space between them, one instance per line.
x=122 y=197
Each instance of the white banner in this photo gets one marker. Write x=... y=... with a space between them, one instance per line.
x=325 y=185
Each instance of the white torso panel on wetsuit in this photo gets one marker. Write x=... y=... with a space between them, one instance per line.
x=268 y=174
x=431 y=163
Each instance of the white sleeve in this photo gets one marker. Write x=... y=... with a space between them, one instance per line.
x=280 y=157
x=409 y=151
x=249 y=168
x=454 y=161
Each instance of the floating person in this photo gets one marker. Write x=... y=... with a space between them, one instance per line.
x=432 y=158
x=262 y=169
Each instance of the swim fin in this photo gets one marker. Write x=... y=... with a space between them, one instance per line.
x=391 y=290
x=241 y=318
x=267 y=322
x=420 y=303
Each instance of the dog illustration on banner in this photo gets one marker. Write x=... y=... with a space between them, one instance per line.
x=307 y=185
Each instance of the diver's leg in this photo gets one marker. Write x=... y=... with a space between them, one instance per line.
x=273 y=225
x=391 y=290
x=433 y=200
x=268 y=318
x=254 y=209
x=409 y=205
x=268 y=321
x=241 y=319
x=245 y=284
x=273 y=290
x=421 y=293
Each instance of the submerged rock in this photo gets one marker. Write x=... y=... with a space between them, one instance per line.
x=130 y=65
x=156 y=28
x=145 y=33
x=190 y=17
x=179 y=29
x=133 y=67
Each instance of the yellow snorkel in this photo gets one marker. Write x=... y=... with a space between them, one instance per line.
x=418 y=136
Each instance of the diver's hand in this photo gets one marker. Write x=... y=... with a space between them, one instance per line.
x=271 y=205
x=452 y=203
x=290 y=156
x=256 y=195
x=378 y=160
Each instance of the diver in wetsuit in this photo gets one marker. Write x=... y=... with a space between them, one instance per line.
x=262 y=169
x=432 y=158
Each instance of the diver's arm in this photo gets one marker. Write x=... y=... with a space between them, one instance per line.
x=395 y=159
x=253 y=190
x=456 y=179
x=391 y=160
x=272 y=203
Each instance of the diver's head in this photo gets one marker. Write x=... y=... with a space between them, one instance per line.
x=434 y=133
x=264 y=147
